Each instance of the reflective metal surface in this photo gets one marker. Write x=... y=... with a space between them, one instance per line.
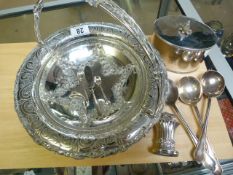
x=168 y=124
x=182 y=42
x=170 y=98
x=208 y=159
x=94 y=93
x=185 y=32
x=190 y=90
x=172 y=94
x=213 y=85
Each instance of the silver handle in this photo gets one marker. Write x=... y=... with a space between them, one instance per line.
x=128 y=22
x=186 y=126
x=119 y=14
x=37 y=13
x=202 y=140
x=209 y=149
x=208 y=160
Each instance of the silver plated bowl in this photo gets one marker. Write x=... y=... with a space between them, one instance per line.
x=91 y=90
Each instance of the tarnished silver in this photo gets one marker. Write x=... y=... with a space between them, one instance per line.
x=208 y=160
x=167 y=124
x=93 y=89
x=213 y=85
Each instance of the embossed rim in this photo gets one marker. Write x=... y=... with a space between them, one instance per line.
x=25 y=118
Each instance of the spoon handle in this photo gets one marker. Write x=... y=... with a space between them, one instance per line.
x=98 y=109
x=198 y=116
x=98 y=82
x=202 y=140
x=207 y=114
x=209 y=160
x=209 y=149
x=186 y=126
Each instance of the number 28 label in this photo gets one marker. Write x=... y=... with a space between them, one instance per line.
x=80 y=31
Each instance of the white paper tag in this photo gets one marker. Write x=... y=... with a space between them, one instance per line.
x=80 y=31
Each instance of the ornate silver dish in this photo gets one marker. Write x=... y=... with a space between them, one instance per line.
x=91 y=90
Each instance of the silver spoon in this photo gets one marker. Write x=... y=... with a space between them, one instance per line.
x=103 y=103
x=90 y=81
x=170 y=99
x=190 y=92
x=98 y=82
x=213 y=85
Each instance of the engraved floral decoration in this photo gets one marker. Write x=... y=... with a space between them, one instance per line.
x=87 y=110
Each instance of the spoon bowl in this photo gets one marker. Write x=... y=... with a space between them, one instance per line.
x=213 y=83
x=190 y=90
x=208 y=158
x=171 y=97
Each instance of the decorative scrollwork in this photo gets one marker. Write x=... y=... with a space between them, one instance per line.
x=85 y=141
